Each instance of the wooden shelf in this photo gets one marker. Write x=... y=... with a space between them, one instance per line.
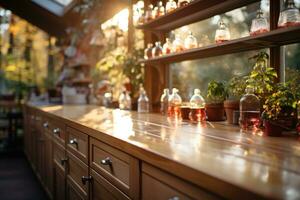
x=274 y=38
x=196 y=11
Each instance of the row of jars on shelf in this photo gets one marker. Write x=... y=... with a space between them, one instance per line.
x=195 y=109
x=290 y=16
x=154 y=12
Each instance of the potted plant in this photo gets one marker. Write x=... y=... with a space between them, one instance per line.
x=216 y=95
x=235 y=89
x=280 y=110
x=262 y=77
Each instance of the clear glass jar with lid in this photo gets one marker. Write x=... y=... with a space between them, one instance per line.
x=249 y=110
x=148 y=51
x=177 y=45
x=174 y=104
x=125 y=100
x=157 y=50
x=197 y=107
x=190 y=41
x=164 y=102
x=170 y=6
x=260 y=24
x=167 y=47
x=222 y=33
x=143 y=102
x=289 y=16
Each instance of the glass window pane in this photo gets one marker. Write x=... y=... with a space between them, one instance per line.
x=197 y=74
x=292 y=61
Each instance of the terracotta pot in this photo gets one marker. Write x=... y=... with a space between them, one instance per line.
x=272 y=128
x=215 y=111
x=231 y=106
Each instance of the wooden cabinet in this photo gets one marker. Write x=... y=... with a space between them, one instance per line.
x=101 y=189
x=59 y=182
x=160 y=185
x=76 y=172
x=77 y=144
x=121 y=169
x=73 y=193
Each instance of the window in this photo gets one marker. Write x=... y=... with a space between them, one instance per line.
x=196 y=74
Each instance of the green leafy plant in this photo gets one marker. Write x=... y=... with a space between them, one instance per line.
x=282 y=103
x=117 y=66
x=262 y=77
x=235 y=88
x=216 y=92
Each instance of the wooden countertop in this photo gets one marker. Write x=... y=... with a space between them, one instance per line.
x=217 y=157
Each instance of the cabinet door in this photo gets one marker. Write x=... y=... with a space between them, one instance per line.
x=59 y=182
x=48 y=164
x=101 y=189
x=73 y=192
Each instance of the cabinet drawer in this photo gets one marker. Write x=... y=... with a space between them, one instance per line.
x=77 y=143
x=58 y=131
x=116 y=166
x=160 y=185
x=59 y=155
x=103 y=190
x=76 y=170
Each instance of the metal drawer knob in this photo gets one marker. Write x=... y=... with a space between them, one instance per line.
x=46 y=125
x=63 y=161
x=74 y=142
x=56 y=131
x=106 y=161
x=85 y=179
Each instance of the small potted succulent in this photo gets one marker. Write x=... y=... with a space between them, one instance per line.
x=235 y=89
x=280 y=110
x=216 y=94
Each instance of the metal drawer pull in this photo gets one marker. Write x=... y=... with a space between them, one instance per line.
x=74 y=141
x=174 y=198
x=46 y=125
x=63 y=161
x=56 y=131
x=106 y=161
x=85 y=179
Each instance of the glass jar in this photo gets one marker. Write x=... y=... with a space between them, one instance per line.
x=174 y=104
x=164 y=101
x=167 y=47
x=249 y=110
x=148 y=51
x=197 y=107
x=190 y=41
x=155 y=12
x=289 y=16
x=222 y=33
x=125 y=101
x=143 y=102
x=177 y=45
x=161 y=9
x=260 y=24
x=170 y=6
x=182 y=3
x=157 y=50
x=148 y=13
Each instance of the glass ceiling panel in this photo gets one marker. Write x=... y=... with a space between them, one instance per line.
x=64 y=2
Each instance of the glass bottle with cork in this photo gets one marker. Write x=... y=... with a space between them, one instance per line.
x=164 y=102
x=197 y=107
x=249 y=110
x=174 y=104
x=143 y=102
